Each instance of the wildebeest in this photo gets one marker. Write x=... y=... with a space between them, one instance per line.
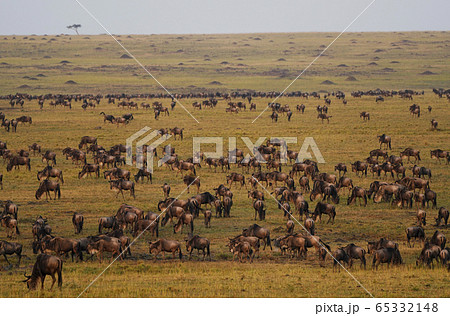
x=438 y=154
x=45 y=265
x=360 y=166
x=177 y=131
x=9 y=208
x=164 y=245
x=341 y=167
x=77 y=221
x=199 y=243
x=110 y=244
x=166 y=190
x=242 y=250
x=416 y=233
x=52 y=172
x=443 y=214
x=324 y=116
x=88 y=169
x=438 y=239
x=365 y=116
x=87 y=140
x=122 y=185
x=184 y=219
x=385 y=139
x=142 y=173
x=46 y=187
x=147 y=224
x=192 y=180
x=260 y=210
x=386 y=255
x=260 y=232
x=236 y=177
x=379 y=244
x=325 y=208
x=360 y=193
x=340 y=257
x=107 y=222
x=410 y=152
x=17 y=161
x=421 y=218
x=434 y=124
x=48 y=157
x=10 y=248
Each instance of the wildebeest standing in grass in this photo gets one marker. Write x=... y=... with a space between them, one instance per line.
x=438 y=239
x=46 y=187
x=88 y=169
x=166 y=190
x=78 y=221
x=11 y=225
x=45 y=265
x=257 y=231
x=190 y=180
x=110 y=244
x=107 y=222
x=341 y=167
x=421 y=218
x=440 y=154
x=142 y=173
x=147 y=224
x=365 y=116
x=184 y=219
x=9 y=208
x=443 y=214
x=325 y=208
x=355 y=252
x=386 y=255
x=18 y=161
x=260 y=211
x=340 y=257
x=49 y=157
x=50 y=172
x=416 y=233
x=164 y=245
x=122 y=185
x=10 y=248
x=85 y=140
x=208 y=215
x=242 y=250
x=385 y=139
x=434 y=124
x=199 y=243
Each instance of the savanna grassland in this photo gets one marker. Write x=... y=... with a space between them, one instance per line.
x=263 y=62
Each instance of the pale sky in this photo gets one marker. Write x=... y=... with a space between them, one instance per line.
x=221 y=16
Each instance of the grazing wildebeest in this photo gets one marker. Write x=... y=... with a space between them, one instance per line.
x=421 y=218
x=242 y=250
x=143 y=173
x=122 y=185
x=25 y=119
x=77 y=221
x=109 y=244
x=48 y=157
x=227 y=204
x=199 y=243
x=443 y=214
x=257 y=231
x=325 y=208
x=45 y=187
x=88 y=169
x=17 y=161
x=107 y=222
x=10 y=248
x=190 y=180
x=45 y=265
x=360 y=193
x=385 y=139
x=438 y=154
x=365 y=116
x=445 y=256
x=416 y=233
x=324 y=116
x=429 y=252
x=85 y=140
x=303 y=182
x=274 y=116
x=236 y=177
x=50 y=172
x=355 y=252
x=164 y=245
x=340 y=257
x=295 y=243
x=386 y=255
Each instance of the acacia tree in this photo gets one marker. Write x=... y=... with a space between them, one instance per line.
x=75 y=27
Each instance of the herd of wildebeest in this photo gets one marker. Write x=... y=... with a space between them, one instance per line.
x=400 y=181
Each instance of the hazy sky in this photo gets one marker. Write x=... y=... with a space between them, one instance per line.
x=221 y=16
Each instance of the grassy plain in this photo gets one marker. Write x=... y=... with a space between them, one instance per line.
x=345 y=139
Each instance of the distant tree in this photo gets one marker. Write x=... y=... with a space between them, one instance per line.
x=75 y=27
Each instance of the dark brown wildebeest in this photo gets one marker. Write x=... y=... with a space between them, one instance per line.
x=324 y=116
x=85 y=140
x=190 y=180
x=14 y=124
x=438 y=239
x=107 y=222
x=164 y=245
x=147 y=224
x=257 y=231
x=443 y=214
x=301 y=108
x=10 y=248
x=236 y=177
x=122 y=185
x=341 y=167
x=365 y=116
x=227 y=204
x=117 y=173
x=438 y=154
x=253 y=241
x=296 y=244
x=184 y=219
x=180 y=165
x=428 y=253
x=256 y=195
x=386 y=255
x=434 y=124
x=260 y=210
x=50 y=172
x=340 y=257
x=40 y=229
x=290 y=225
x=77 y=221
x=430 y=195
x=199 y=243
x=445 y=256
x=25 y=119
x=385 y=139
x=48 y=157
x=9 y=208
x=410 y=152
x=109 y=244
x=59 y=245
x=46 y=187
x=382 y=243
x=310 y=225
x=416 y=233
x=208 y=215
x=274 y=116
x=360 y=193
x=421 y=218
x=88 y=169
x=45 y=265
x=325 y=208
x=143 y=173
x=6 y=124
x=166 y=190
x=344 y=182
x=176 y=131
x=424 y=172
x=108 y=118
x=360 y=166
x=355 y=252
x=304 y=184
x=242 y=250
x=17 y=161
